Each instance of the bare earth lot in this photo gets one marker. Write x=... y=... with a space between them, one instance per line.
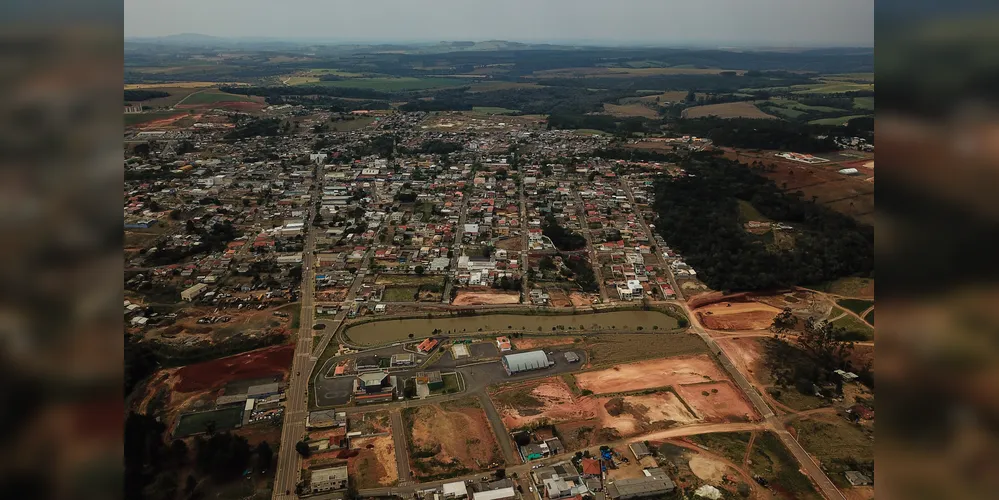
x=737 y=315
x=375 y=464
x=717 y=402
x=485 y=297
x=741 y=109
x=450 y=439
x=650 y=374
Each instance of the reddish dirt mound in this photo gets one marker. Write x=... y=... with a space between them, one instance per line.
x=737 y=315
x=265 y=362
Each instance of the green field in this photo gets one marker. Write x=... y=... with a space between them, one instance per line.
x=195 y=423
x=138 y=118
x=839 y=120
x=491 y=110
x=856 y=305
x=863 y=103
x=748 y=212
x=840 y=446
x=855 y=328
x=400 y=294
x=831 y=87
x=870 y=317
x=212 y=97
x=348 y=125
x=395 y=84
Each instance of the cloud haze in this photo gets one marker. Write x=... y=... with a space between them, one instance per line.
x=670 y=22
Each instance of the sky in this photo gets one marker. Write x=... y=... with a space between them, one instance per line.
x=785 y=23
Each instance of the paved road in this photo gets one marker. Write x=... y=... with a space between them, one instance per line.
x=499 y=430
x=401 y=450
x=773 y=422
x=296 y=404
x=459 y=232
x=594 y=263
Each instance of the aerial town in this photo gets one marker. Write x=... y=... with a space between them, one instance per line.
x=468 y=304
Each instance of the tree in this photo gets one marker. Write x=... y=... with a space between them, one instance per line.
x=420 y=270
x=784 y=322
x=191 y=484
x=142 y=149
x=264 y=456
x=178 y=452
x=303 y=449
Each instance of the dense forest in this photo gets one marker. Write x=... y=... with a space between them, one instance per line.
x=699 y=216
x=144 y=95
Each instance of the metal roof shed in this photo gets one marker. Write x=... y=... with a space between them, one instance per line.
x=525 y=361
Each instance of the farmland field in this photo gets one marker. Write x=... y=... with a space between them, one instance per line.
x=140 y=118
x=741 y=109
x=839 y=120
x=212 y=97
x=492 y=110
x=863 y=102
x=830 y=86
x=626 y=110
x=219 y=420
x=395 y=84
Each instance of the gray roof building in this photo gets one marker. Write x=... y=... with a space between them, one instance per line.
x=525 y=361
x=648 y=486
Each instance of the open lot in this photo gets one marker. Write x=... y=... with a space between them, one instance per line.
x=837 y=444
x=450 y=439
x=737 y=315
x=216 y=420
x=485 y=297
x=270 y=361
x=717 y=401
x=650 y=374
x=374 y=466
x=740 y=109
x=609 y=349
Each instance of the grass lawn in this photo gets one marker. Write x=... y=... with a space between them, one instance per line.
x=856 y=328
x=771 y=460
x=212 y=97
x=492 y=110
x=194 y=423
x=413 y=280
x=400 y=294
x=856 y=305
x=839 y=120
x=396 y=84
x=863 y=103
x=795 y=400
x=839 y=445
x=138 y=118
x=450 y=382
x=748 y=212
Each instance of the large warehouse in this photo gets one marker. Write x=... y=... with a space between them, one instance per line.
x=526 y=361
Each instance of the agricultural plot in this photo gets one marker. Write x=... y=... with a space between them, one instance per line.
x=213 y=97
x=621 y=348
x=492 y=110
x=740 y=109
x=132 y=119
x=450 y=439
x=839 y=120
x=220 y=420
x=629 y=110
x=830 y=86
x=388 y=84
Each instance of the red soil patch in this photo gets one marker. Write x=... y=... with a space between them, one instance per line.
x=459 y=434
x=374 y=465
x=651 y=373
x=737 y=316
x=467 y=298
x=723 y=402
x=534 y=343
x=747 y=354
x=265 y=362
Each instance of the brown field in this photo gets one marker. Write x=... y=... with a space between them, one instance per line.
x=167 y=86
x=737 y=316
x=626 y=110
x=747 y=354
x=651 y=374
x=723 y=402
x=485 y=297
x=581 y=299
x=514 y=244
x=611 y=349
x=558 y=298
x=457 y=432
x=850 y=195
x=586 y=420
x=741 y=109
x=375 y=463
x=527 y=343
x=670 y=96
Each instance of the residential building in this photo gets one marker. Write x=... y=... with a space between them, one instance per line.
x=328 y=479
